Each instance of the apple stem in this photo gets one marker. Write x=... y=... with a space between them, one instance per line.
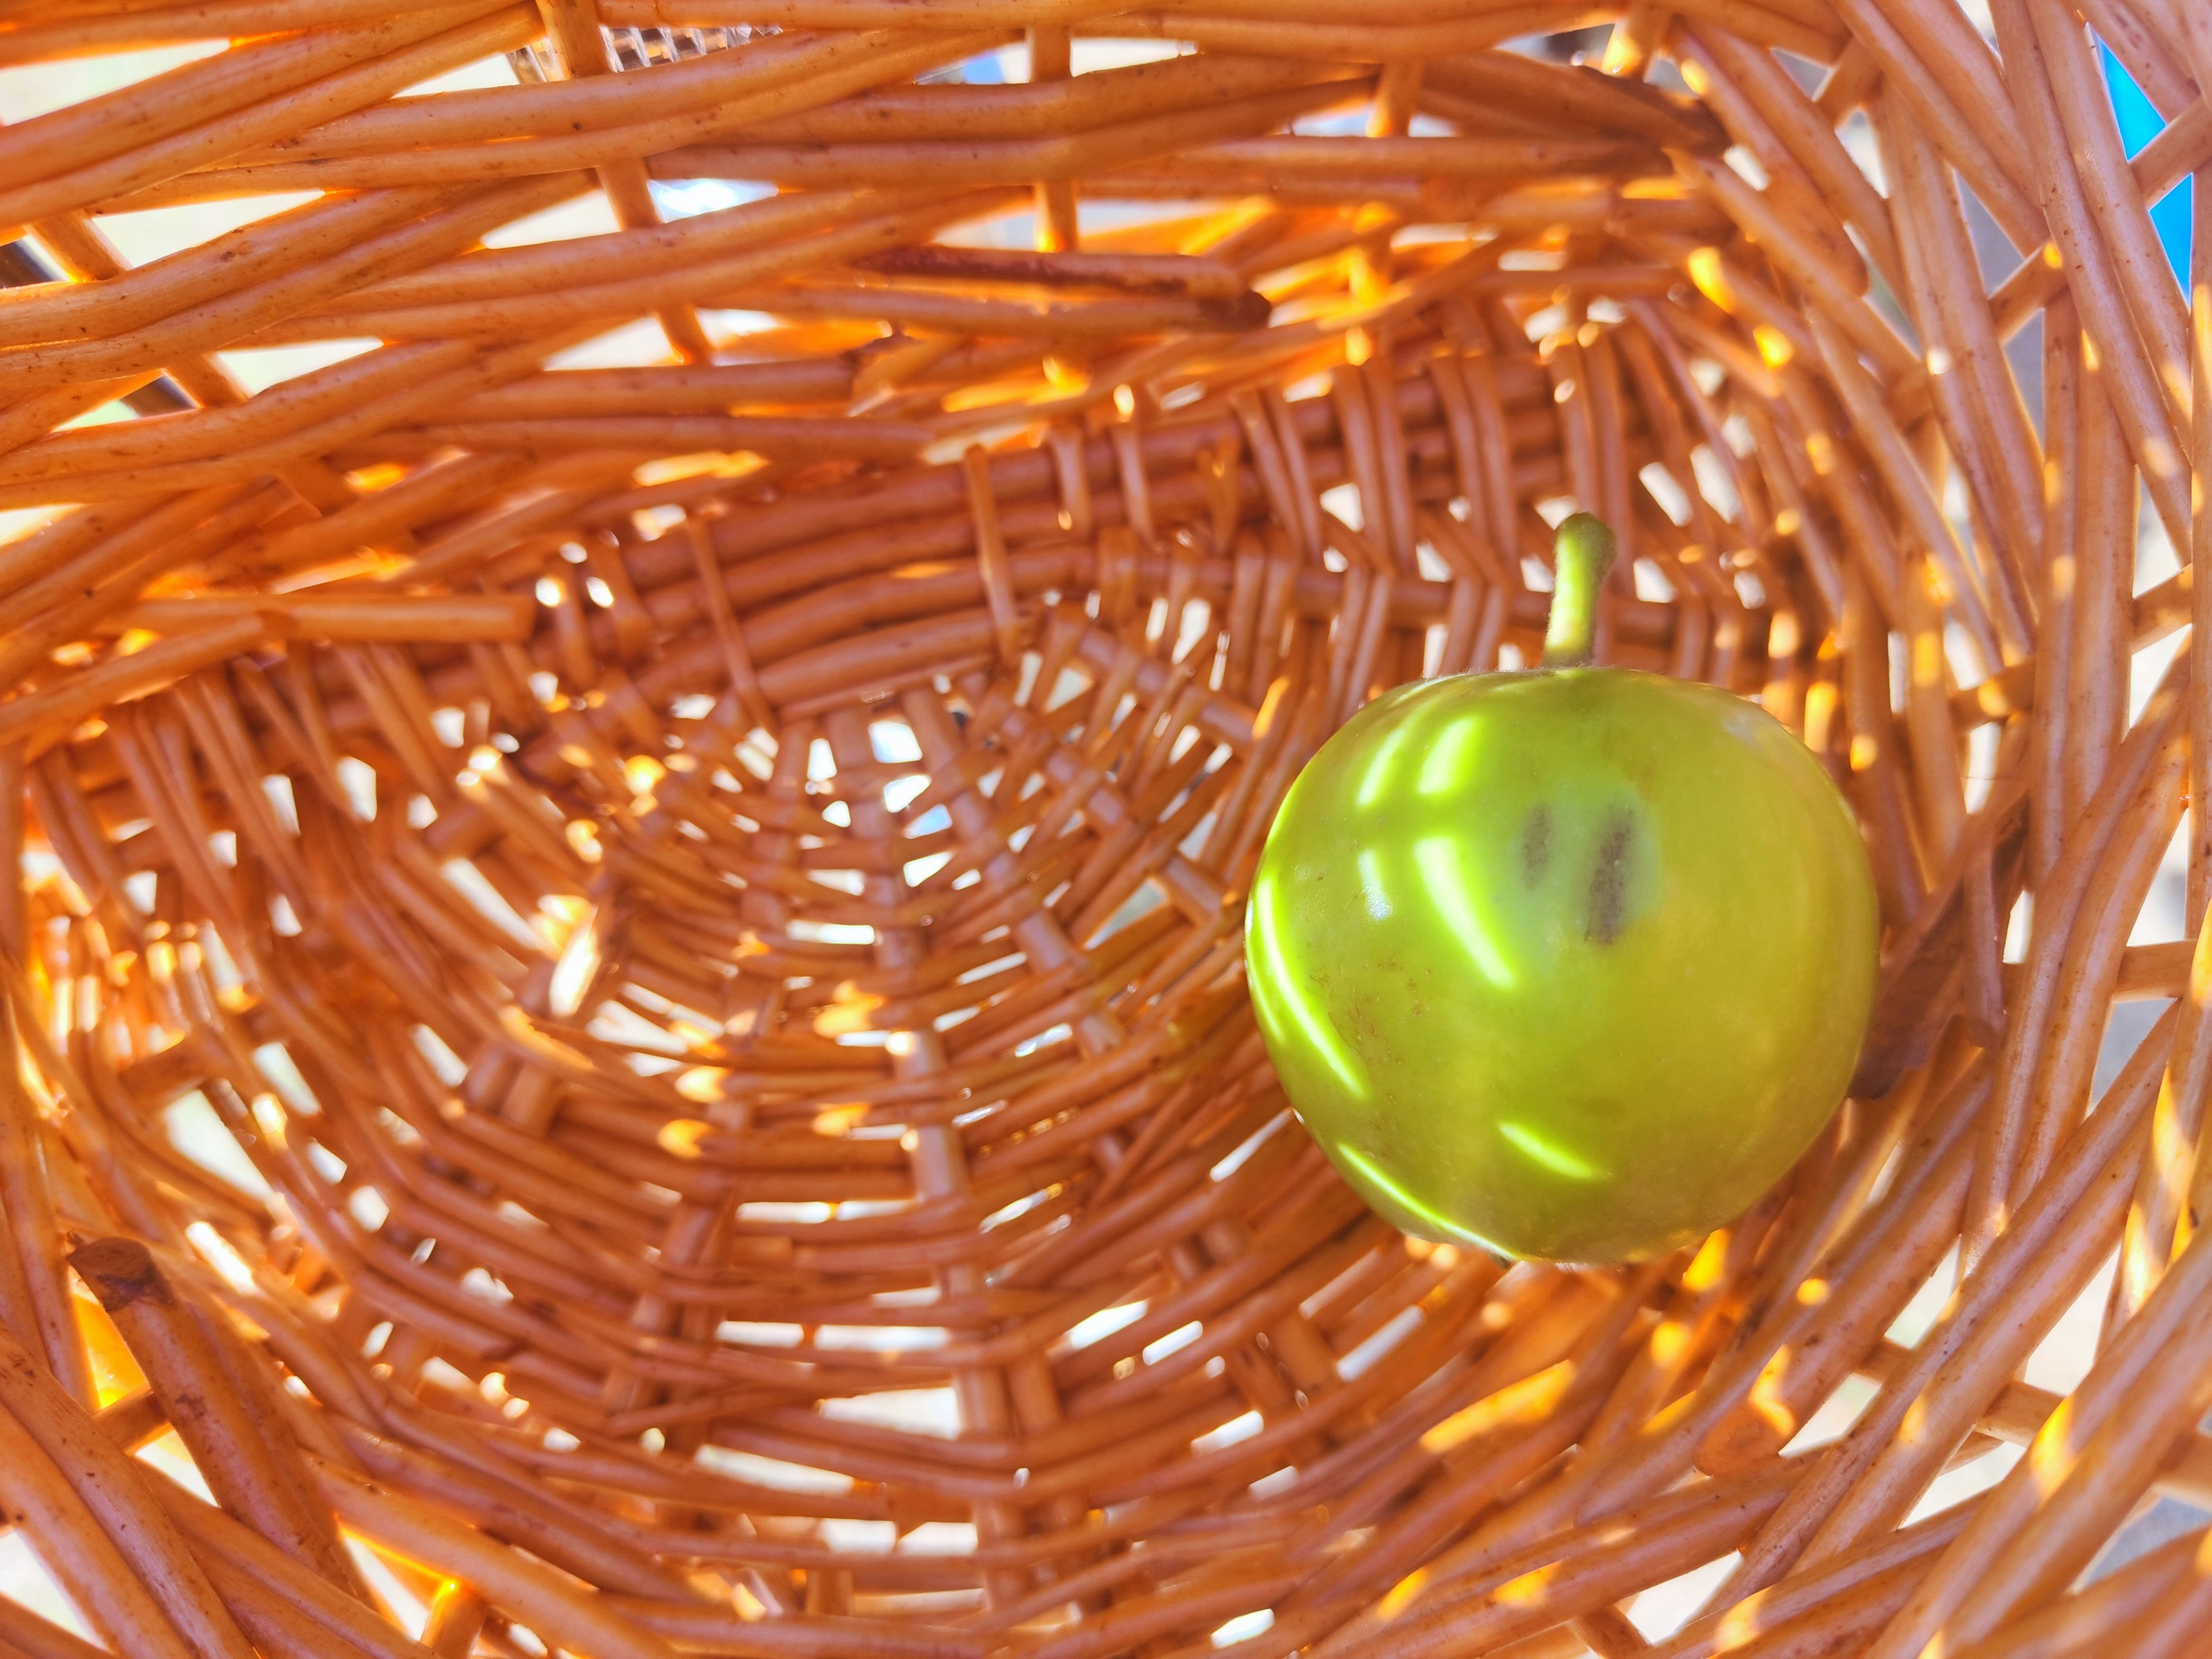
x=1581 y=556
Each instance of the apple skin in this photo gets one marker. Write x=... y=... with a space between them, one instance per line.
x=1570 y=964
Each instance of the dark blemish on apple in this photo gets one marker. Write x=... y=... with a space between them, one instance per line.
x=1608 y=884
x=1536 y=845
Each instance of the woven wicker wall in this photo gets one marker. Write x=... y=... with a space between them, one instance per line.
x=628 y=979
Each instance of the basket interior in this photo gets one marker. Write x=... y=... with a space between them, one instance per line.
x=641 y=711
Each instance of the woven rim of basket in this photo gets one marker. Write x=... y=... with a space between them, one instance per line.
x=627 y=980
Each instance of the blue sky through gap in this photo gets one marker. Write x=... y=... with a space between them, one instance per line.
x=2140 y=122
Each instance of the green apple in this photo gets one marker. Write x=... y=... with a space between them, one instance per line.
x=1572 y=964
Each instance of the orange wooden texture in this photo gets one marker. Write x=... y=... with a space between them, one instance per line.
x=625 y=1014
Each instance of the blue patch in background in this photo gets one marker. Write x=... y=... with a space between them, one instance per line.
x=2174 y=212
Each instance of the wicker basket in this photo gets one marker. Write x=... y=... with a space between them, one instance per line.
x=627 y=980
